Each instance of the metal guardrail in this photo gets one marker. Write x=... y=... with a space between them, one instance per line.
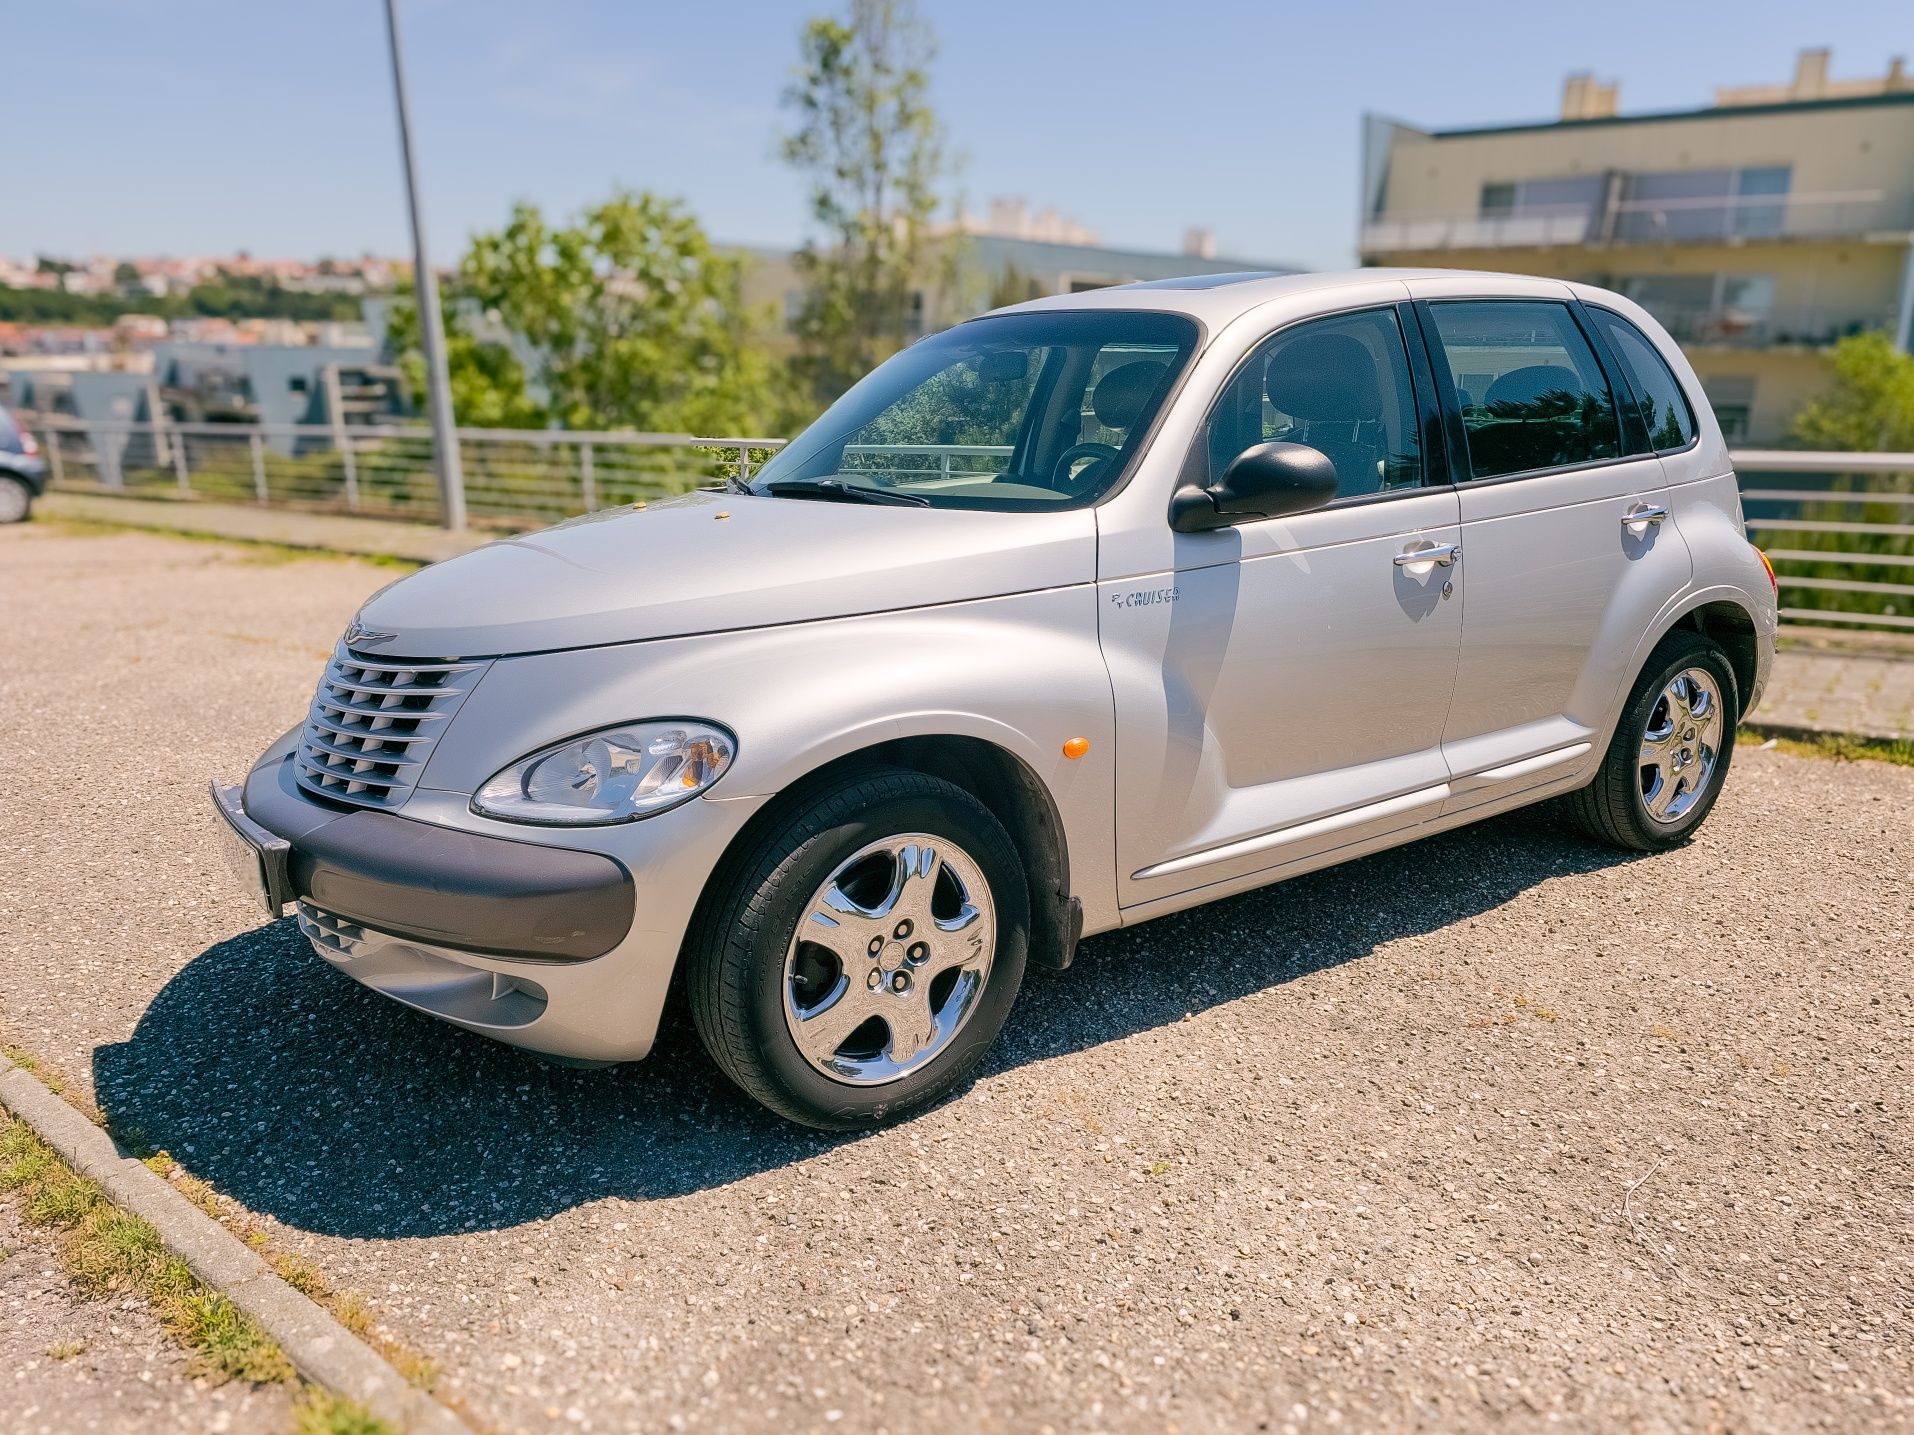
x=513 y=477
x=1842 y=547
x=1841 y=525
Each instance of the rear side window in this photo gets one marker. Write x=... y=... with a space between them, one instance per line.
x=1665 y=412
x=1340 y=386
x=1532 y=393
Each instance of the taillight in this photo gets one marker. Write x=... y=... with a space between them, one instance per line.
x=28 y=445
x=1773 y=582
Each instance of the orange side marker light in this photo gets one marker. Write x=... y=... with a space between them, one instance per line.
x=1076 y=747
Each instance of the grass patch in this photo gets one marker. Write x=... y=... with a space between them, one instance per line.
x=1835 y=747
x=320 y=1412
x=28 y=1062
x=67 y=1349
x=106 y=1250
x=67 y=1200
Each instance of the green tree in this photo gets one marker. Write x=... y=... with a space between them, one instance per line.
x=1013 y=285
x=628 y=316
x=225 y=296
x=866 y=137
x=1870 y=408
x=489 y=386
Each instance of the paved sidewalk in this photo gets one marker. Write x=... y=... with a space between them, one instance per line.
x=1858 y=691
x=69 y=1364
x=293 y=528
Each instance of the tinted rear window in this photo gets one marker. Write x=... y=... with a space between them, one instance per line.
x=1532 y=394
x=1665 y=412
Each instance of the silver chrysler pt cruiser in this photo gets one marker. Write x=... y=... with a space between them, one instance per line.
x=1082 y=612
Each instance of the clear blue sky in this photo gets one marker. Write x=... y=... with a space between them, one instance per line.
x=212 y=125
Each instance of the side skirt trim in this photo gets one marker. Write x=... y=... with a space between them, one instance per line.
x=1300 y=832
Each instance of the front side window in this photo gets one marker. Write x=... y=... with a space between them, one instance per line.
x=1665 y=412
x=1340 y=386
x=1017 y=411
x=1532 y=393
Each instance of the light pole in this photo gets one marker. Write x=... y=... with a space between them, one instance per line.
x=438 y=381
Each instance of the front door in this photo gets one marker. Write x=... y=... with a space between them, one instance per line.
x=1563 y=527
x=1281 y=692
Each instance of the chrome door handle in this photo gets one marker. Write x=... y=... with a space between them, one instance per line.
x=1638 y=518
x=1434 y=555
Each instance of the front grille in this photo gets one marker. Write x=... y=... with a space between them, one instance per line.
x=373 y=723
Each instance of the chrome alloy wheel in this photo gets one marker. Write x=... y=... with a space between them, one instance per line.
x=889 y=959
x=1681 y=745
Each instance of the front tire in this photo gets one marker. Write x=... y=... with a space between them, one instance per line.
x=16 y=500
x=1669 y=757
x=858 y=961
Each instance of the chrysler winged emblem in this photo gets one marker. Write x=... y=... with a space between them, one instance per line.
x=360 y=636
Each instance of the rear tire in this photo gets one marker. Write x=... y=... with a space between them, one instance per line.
x=16 y=500
x=1669 y=757
x=892 y=911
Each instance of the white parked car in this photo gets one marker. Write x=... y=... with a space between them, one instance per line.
x=1085 y=611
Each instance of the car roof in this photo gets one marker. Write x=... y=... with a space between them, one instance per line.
x=1217 y=298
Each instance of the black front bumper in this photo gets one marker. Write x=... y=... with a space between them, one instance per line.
x=438 y=885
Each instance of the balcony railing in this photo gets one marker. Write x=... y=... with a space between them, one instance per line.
x=1725 y=326
x=1706 y=219
x=1533 y=229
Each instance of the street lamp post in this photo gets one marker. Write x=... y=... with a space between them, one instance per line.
x=438 y=381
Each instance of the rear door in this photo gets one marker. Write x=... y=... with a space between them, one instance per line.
x=1564 y=539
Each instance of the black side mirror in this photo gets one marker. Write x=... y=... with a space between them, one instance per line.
x=1268 y=480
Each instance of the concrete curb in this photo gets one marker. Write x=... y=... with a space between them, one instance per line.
x=321 y=1349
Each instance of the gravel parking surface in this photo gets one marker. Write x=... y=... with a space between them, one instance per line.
x=1497 y=1130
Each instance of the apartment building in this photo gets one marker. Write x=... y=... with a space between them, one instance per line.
x=1760 y=229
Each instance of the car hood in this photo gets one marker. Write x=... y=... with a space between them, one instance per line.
x=711 y=562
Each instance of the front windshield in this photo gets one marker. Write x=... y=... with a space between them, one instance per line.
x=1018 y=411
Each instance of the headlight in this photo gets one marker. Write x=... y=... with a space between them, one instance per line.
x=616 y=775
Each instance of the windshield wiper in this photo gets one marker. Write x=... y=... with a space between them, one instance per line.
x=839 y=490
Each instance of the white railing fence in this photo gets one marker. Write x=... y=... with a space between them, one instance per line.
x=1839 y=527
x=514 y=478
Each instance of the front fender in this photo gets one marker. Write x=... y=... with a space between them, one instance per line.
x=1023 y=672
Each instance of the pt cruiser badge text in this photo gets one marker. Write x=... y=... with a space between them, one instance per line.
x=1143 y=597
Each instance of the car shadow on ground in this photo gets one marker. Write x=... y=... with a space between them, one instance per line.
x=309 y=1099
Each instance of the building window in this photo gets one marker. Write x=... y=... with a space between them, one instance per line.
x=1704 y=203
x=1567 y=207
x=1731 y=396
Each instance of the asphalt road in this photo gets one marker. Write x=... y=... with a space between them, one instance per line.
x=1496 y=1130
